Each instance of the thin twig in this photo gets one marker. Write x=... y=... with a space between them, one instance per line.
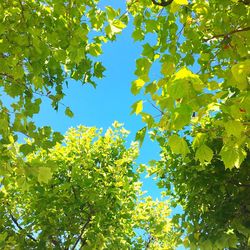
x=227 y=34
x=19 y=227
x=127 y=10
x=32 y=91
x=22 y=10
x=211 y=60
x=179 y=33
x=162 y=113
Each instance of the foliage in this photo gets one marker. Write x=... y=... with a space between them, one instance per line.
x=63 y=197
x=201 y=50
x=42 y=45
x=82 y=193
x=215 y=200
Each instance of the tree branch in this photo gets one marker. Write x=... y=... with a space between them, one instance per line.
x=150 y=238
x=162 y=3
x=82 y=231
x=22 y=10
x=20 y=228
x=246 y=2
x=238 y=184
x=228 y=34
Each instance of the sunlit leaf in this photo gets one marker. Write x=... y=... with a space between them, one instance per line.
x=204 y=154
x=137 y=107
x=44 y=174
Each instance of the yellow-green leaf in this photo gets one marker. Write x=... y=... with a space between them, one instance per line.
x=234 y=128
x=186 y=75
x=68 y=112
x=167 y=68
x=178 y=145
x=232 y=156
x=148 y=119
x=137 y=107
x=240 y=72
x=117 y=26
x=136 y=86
x=204 y=154
x=140 y=135
x=95 y=49
x=174 y=7
x=199 y=140
x=44 y=174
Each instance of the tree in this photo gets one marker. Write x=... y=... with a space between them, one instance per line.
x=82 y=194
x=42 y=45
x=201 y=50
x=50 y=195
x=202 y=100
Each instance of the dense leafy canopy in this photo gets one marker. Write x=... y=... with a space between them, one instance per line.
x=85 y=191
x=42 y=45
x=82 y=193
x=201 y=49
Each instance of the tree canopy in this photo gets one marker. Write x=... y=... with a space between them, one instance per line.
x=43 y=44
x=202 y=100
x=197 y=110
x=82 y=194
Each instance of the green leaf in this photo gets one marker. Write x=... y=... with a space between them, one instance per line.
x=178 y=89
x=204 y=154
x=148 y=51
x=240 y=72
x=98 y=69
x=181 y=117
x=57 y=137
x=3 y=236
x=178 y=145
x=26 y=148
x=110 y=12
x=142 y=68
x=137 y=107
x=148 y=119
x=117 y=26
x=140 y=135
x=136 y=86
x=232 y=156
x=95 y=49
x=151 y=88
x=38 y=82
x=138 y=35
x=68 y=112
x=151 y=25
x=167 y=68
x=234 y=128
x=44 y=174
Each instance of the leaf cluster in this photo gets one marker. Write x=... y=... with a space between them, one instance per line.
x=81 y=194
